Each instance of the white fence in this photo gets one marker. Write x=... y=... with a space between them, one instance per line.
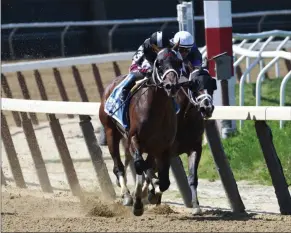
x=92 y=108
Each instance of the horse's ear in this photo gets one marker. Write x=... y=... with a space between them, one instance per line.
x=156 y=49
x=176 y=46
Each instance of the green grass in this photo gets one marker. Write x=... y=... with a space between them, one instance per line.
x=243 y=150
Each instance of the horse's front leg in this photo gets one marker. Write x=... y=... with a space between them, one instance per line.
x=193 y=162
x=113 y=139
x=140 y=167
x=163 y=182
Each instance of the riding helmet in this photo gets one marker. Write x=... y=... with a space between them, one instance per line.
x=186 y=39
x=160 y=39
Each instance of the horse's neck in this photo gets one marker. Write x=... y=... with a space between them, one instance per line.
x=158 y=96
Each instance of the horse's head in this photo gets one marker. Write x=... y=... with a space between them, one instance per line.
x=167 y=69
x=201 y=91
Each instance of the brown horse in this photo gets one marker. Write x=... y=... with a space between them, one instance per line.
x=195 y=106
x=153 y=126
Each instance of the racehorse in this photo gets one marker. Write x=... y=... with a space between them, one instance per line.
x=191 y=118
x=195 y=106
x=153 y=125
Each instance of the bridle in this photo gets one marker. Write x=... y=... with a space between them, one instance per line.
x=159 y=80
x=196 y=101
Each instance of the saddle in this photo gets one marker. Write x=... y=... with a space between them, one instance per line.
x=119 y=111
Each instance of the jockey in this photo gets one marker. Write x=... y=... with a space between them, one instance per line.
x=188 y=49
x=143 y=59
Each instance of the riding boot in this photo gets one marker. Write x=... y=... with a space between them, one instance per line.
x=102 y=138
x=126 y=89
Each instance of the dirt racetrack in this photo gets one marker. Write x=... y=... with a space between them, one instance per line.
x=60 y=212
x=32 y=210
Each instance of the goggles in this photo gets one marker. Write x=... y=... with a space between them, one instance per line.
x=184 y=50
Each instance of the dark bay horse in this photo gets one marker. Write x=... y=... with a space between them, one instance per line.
x=195 y=106
x=153 y=126
x=190 y=131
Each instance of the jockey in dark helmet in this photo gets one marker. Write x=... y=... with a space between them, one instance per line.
x=188 y=49
x=143 y=59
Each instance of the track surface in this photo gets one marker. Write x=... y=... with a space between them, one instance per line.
x=60 y=212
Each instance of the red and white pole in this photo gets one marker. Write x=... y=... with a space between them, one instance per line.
x=218 y=34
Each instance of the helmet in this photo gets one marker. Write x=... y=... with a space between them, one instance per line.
x=159 y=39
x=186 y=39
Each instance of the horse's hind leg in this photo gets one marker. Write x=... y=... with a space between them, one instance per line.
x=113 y=140
x=193 y=162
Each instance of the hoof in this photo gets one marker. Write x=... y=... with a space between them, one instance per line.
x=138 y=208
x=196 y=211
x=137 y=212
x=127 y=200
x=154 y=198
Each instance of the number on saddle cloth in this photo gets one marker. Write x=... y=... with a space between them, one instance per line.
x=117 y=109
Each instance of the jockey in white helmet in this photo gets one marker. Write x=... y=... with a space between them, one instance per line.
x=188 y=48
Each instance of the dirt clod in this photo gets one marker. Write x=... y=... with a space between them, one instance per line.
x=163 y=209
x=100 y=206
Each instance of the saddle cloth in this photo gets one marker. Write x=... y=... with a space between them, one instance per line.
x=115 y=108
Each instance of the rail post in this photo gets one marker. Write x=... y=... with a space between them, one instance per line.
x=11 y=153
x=26 y=95
x=182 y=181
x=64 y=153
x=36 y=154
x=96 y=156
x=265 y=136
x=223 y=167
x=8 y=93
x=61 y=87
